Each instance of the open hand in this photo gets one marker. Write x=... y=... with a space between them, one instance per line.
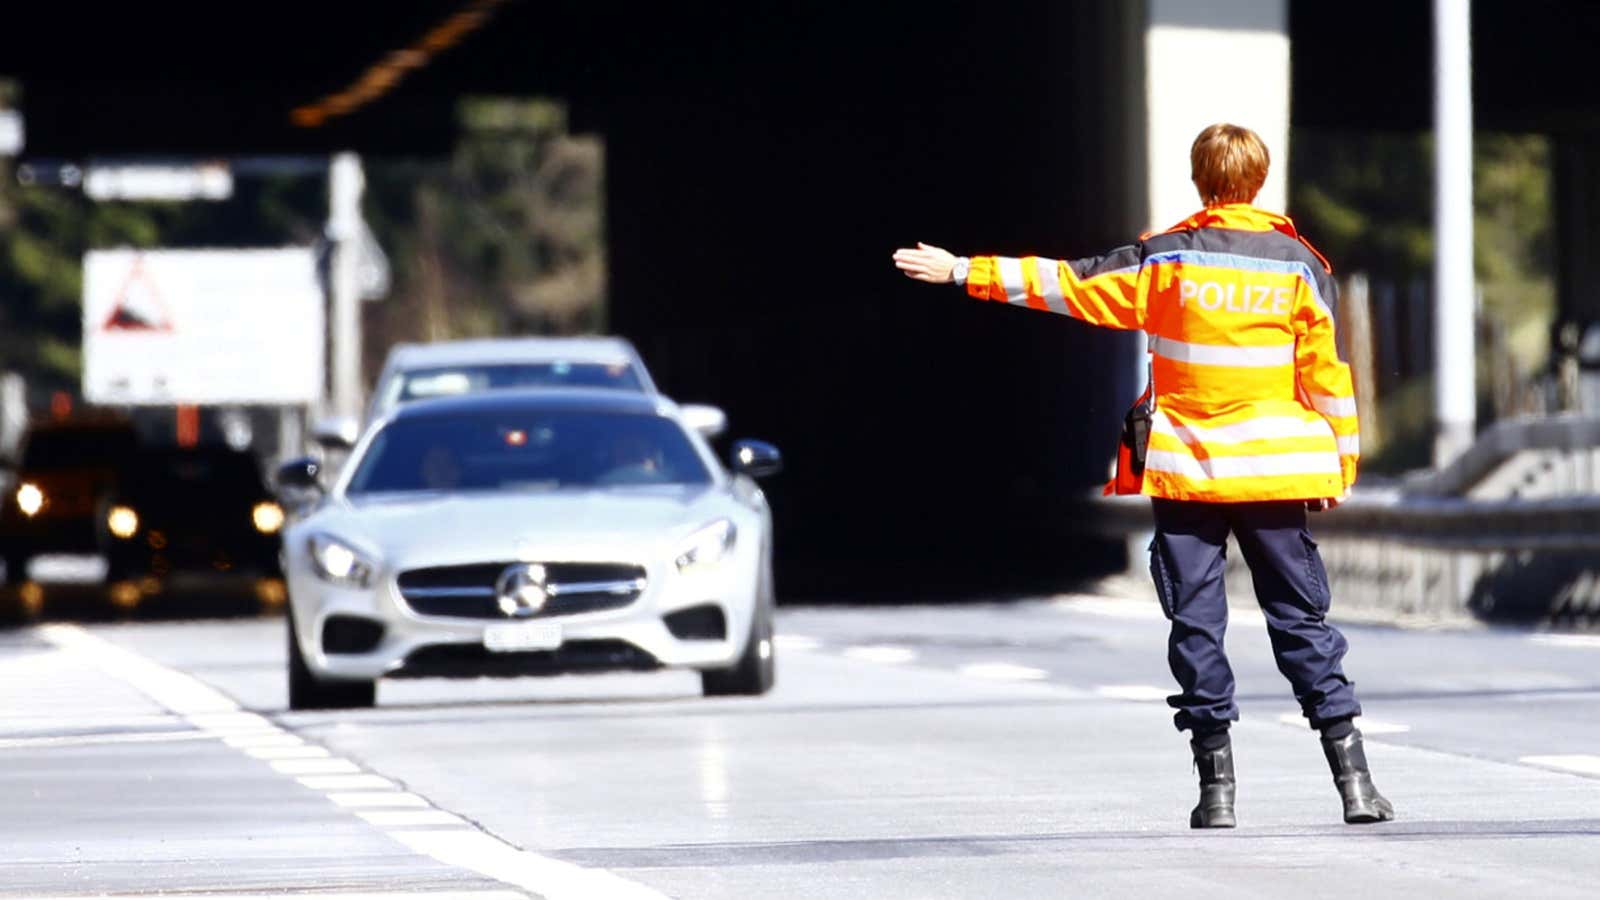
x=925 y=263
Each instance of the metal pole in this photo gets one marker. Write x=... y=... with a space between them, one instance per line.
x=1455 y=393
x=345 y=185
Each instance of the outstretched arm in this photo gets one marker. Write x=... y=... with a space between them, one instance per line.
x=1101 y=290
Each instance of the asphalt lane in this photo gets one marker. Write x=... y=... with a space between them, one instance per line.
x=983 y=750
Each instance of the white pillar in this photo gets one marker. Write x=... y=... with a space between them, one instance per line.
x=345 y=186
x=1210 y=61
x=1454 y=372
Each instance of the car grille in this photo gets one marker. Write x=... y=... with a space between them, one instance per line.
x=469 y=591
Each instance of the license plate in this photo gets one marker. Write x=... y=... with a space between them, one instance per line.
x=514 y=636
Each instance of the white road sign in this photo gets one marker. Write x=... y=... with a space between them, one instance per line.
x=202 y=326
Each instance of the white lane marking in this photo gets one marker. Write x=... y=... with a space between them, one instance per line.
x=1583 y=641
x=879 y=653
x=1365 y=725
x=1003 y=672
x=263 y=739
x=315 y=767
x=233 y=723
x=377 y=799
x=1579 y=763
x=1142 y=693
x=409 y=818
x=1111 y=607
x=340 y=895
x=89 y=740
x=549 y=878
x=300 y=751
x=176 y=691
x=463 y=846
x=347 y=783
x=797 y=642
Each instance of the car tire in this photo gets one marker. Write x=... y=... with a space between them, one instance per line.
x=307 y=691
x=756 y=671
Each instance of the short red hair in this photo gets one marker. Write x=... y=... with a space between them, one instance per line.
x=1228 y=164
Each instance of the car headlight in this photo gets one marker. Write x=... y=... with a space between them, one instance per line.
x=708 y=546
x=339 y=563
x=122 y=521
x=267 y=517
x=29 y=498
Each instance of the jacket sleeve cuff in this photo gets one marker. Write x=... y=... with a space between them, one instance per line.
x=980 y=276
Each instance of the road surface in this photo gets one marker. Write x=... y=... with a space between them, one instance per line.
x=1005 y=750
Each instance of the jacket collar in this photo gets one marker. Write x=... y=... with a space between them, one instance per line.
x=1244 y=217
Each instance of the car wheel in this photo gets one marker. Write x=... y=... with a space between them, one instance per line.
x=756 y=671
x=307 y=691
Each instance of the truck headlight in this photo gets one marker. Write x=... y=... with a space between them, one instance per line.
x=708 y=546
x=337 y=562
x=29 y=498
x=267 y=517
x=122 y=521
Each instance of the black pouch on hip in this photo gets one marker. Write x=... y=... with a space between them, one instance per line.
x=1136 y=432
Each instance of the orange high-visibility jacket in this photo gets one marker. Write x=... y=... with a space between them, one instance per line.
x=1251 y=399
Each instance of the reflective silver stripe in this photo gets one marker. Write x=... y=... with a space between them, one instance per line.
x=1220 y=355
x=1265 y=465
x=1350 y=445
x=1011 y=280
x=1338 y=407
x=1050 y=285
x=1264 y=428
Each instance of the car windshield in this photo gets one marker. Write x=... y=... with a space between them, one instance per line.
x=446 y=381
x=524 y=450
x=172 y=473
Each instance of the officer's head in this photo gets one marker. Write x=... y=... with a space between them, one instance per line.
x=1228 y=164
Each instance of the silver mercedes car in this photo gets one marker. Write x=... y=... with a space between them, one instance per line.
x=530 y=532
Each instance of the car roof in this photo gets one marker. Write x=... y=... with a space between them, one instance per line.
x=543 y=398
x=512 y=350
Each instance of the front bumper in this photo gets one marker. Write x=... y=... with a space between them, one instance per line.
x=634 y=637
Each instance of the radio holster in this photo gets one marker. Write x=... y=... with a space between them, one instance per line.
x=1132 y=446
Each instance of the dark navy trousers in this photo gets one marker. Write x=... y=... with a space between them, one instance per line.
x=1186 y=561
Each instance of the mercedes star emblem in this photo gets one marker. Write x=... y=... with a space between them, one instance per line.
x=520 y=589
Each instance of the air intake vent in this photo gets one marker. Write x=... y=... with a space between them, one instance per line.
x=698 y=623
x=350 y=634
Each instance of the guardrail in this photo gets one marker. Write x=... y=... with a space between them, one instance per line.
x=1420 y=556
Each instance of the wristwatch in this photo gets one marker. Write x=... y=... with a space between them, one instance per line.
x=958 y=272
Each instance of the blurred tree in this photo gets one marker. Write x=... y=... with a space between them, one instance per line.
x=505 y=238
x=1367 y=201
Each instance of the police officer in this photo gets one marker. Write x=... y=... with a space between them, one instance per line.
x=1253 y=422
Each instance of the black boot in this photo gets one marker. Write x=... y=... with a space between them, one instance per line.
x=1347 y=759
x=1216 y=786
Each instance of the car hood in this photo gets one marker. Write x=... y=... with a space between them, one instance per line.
x=410 y=530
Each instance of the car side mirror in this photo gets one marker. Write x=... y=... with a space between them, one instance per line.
x=757 y=459
x=708 y=420
x=336 y=432
x=303 y=474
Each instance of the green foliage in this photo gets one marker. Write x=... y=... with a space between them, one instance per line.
x=505 y=237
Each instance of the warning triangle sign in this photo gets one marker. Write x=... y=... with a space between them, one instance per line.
x=138 y=306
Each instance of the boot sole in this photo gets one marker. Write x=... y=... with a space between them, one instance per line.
x=1211 y=820
x=1368 y=815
